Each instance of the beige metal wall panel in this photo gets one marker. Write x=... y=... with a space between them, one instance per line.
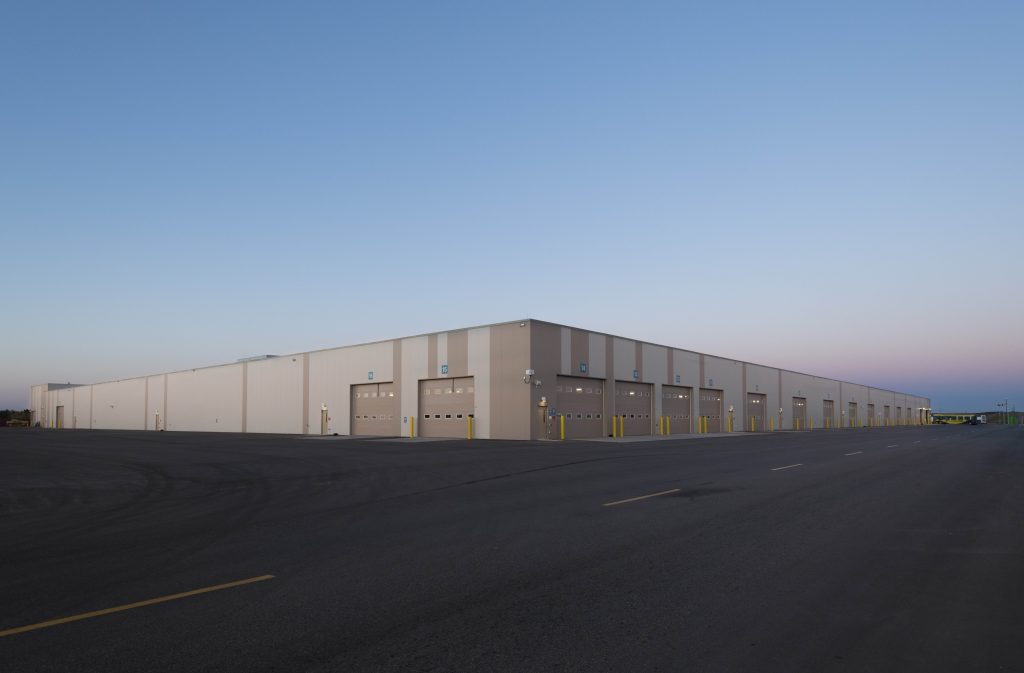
x=333 y=372
x=44 y=407
x=273 y=395
x=798 y=415
x=119 y=405
x=686 y=369
x=814 y=389
x=579 y=352
x=581 y=402
x=817 y=390
x=445 y=407
x=566 y=366
x=853 y=392
x=415 y=366
x=442 y=356
x=64 y=399
x=711 y=406
x=155 y=386
x=727 y=376
x=205 y=400
x=597 y=356
x=634 y=405
x=36 y=405
x=478 y=347
x=761 y=381
x=457 y=345
x=623 y=359
x=83 y=406
x=544 y=357
x=655 y=370
x=376 y=410
x=515 y=413
x=677 y=406
x=871 y=415
x=757 y=413
x=655 y=364
x=853 y=415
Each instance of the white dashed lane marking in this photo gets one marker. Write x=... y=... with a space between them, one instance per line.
x=786 y=467
x=641 y=497
x=854 y=453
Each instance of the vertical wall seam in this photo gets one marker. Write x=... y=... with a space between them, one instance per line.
x=245 y=395
x=741 y=404
x=305 y=394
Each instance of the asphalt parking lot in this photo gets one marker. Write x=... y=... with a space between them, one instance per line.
x=895 y=549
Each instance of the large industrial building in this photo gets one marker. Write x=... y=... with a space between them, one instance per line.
x=526 y=379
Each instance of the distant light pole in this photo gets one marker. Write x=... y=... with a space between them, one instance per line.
x=1006 y=408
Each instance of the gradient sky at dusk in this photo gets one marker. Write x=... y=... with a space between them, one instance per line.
x=835 y=188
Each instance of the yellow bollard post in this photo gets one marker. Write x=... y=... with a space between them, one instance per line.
x=622 y=426
x=412 y=426
x=668 y=425
x=812 y=423
x=797 y=423
x=752 y=424
x=469 y=428
x=771 y=425
x=729 y=424
x=561 y=427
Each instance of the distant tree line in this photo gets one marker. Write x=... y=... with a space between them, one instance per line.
x=19 y=417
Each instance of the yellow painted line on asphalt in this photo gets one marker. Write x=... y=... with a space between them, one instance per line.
x=786 y=467
x=642 y=497
x=132 y=606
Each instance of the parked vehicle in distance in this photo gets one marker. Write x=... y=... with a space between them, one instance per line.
x=958 y=419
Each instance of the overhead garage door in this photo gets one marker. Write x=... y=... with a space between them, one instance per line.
x=580 y=401
x=757 y=412
x=675 y=404
x=633 y=407
x=887 y=413
x=852 y=415
x=828 y=413
x=899 y=415
x=445 y=407
x=375 y=410
x=799 y=413
x=711 y=408
x=871 y=415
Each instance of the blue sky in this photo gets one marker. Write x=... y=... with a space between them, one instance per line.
x=835 y=188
